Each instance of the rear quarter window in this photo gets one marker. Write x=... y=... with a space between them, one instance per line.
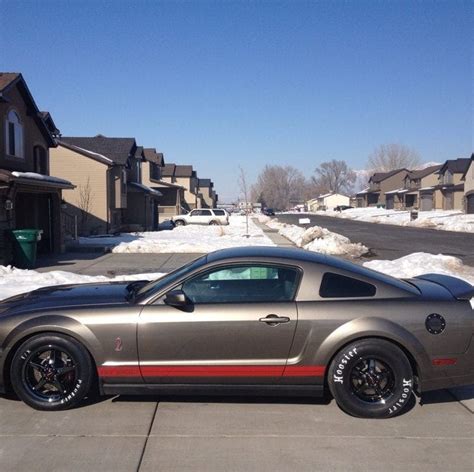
x=219 y=212
x=340 y=286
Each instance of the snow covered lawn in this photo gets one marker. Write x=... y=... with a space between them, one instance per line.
x=184 y=239
x=14 y=281
x=316 y=239
x=423 y=263
x=453 y=220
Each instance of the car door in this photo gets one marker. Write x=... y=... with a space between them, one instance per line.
x=205 y=217
x=194 y=217
x=237 y=328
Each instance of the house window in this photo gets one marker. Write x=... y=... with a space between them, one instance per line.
x=138 y=171
x=155 y=171
x=14 y=135
x=40 y=160
x=448 y=177
x=124 y=180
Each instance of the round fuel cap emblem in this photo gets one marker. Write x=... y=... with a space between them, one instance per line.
x=435 y=323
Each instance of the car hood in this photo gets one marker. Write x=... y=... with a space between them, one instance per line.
x=67 y=296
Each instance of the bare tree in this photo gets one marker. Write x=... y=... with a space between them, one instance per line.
x=387 y=157
x=244 y=190
x=335 y=176
x=85 y=202
x=280 y=186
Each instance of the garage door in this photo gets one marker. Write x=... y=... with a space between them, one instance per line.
x=426 y=202
x=470 y=203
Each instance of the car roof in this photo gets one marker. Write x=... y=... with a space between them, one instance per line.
x=302 y=255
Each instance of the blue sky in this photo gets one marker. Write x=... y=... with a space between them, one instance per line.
x=223 y=84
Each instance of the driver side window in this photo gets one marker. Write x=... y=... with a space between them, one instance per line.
x=243 y=284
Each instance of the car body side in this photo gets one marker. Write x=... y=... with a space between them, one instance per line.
x=111 y=330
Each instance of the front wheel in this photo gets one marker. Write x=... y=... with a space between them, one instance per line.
x=179 y=223
x=51 y=372
x=371 y=378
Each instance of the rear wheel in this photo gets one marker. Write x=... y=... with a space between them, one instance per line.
x=371 y=378
x=213 y=223
x=179 y=223
x=51 y=372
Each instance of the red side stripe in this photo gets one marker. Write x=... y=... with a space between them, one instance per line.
x=119 y=371
x=211 y=371
x=304 y=371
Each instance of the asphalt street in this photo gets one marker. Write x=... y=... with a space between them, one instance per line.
x=391 y=241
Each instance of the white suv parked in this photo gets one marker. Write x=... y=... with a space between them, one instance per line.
x=204 y=216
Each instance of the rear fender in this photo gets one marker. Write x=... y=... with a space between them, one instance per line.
x=372 y=327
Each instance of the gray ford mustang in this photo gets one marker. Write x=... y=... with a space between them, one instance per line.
x=247 y=320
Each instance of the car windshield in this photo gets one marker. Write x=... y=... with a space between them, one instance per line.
x=157 y=285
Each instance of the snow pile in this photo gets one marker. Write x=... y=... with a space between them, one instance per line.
x=45 y=178
x=318 y=239
x=14 y=281
x=186 y=239
x=420 y=263
x=447 y=220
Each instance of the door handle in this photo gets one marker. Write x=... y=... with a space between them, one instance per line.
x=274 y=320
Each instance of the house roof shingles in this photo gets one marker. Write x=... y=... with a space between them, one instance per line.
x=420 y=173
x=168 y=170
x=204 y=182
x=456 y=166
x=379 y=176
x=183 y=171
x=116 y=149
x=6 y=78
x=152 y=156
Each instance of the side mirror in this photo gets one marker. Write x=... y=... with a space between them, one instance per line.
x=176 y=298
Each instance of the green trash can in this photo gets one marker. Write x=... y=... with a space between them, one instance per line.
x=25 y=242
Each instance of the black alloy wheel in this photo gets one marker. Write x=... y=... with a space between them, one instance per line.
x=372 y=380
x=51 y=372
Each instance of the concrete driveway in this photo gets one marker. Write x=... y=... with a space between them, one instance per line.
x=234 y=434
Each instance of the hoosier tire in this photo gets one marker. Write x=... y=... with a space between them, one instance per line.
x=51 y=372
x=371 y=378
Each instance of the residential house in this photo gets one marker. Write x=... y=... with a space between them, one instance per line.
x=109 y=196
x=417 y=190
x=328 y=201
x=142 y=212
x=379 y=184
x=448 y=194
x=206 y=189
x=30 y=195
x=152 y=176
x=184 y=176
x=468 y=179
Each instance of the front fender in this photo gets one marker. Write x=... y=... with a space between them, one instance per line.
x=54 y=323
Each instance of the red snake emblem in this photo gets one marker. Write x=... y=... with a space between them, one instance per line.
x=118 y=344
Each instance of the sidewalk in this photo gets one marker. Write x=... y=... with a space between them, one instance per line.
x=273 y=234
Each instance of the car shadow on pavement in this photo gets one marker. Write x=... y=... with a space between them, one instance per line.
x=445 y=396
x=260 y=399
